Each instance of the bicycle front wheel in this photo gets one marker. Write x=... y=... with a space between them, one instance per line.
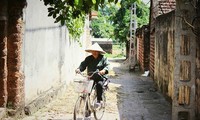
x=80 y=108
x=99 y=112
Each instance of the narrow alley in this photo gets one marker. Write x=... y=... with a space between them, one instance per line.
x=44 y=41
x=130 y=97
x=138 y=97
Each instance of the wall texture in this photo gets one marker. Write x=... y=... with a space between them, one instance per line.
x=49 y=55
x=198 y=78
x=198 y=63
x=37 y=56
x=164 y=52
x=157 y=8
x=15 y=77
x=176 y=49
x=143 y=47
x=3 y=53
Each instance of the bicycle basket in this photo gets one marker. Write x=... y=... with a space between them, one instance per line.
x=82 y=85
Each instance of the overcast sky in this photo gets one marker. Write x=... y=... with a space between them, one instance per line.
x=146 y=1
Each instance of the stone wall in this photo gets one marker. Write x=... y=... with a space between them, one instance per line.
x=198 y=78
x=164 y=52
x=11 y=37
x=198 y=65
x=157 y=8
x=3 y=53
x=177 y=55
x=15 y=77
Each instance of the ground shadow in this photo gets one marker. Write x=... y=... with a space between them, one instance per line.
x=137 y=97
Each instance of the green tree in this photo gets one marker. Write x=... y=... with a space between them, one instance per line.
x=114 y=21
x=142 y=14
x=72 y=12
x=122 y=19
x=102 y=26
x=121 y=25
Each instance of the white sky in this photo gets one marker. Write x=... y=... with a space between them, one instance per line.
x=146 y=1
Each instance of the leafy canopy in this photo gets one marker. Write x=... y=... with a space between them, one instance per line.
x=121 y=20
x=102 y=26
x=114 y=20
x=72 y=12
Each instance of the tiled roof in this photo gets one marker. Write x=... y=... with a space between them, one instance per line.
x=160 y=7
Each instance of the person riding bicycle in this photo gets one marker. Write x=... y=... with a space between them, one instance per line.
x=93 y=62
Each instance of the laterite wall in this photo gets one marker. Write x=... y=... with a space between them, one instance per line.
x=164 y=52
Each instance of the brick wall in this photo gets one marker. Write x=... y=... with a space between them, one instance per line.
x=152 y=54
x=143 y=40
x=160 y=7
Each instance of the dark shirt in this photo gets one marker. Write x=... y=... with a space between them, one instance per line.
x=93 y=64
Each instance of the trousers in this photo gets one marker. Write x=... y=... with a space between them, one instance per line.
x=98 y=80
x=99 y=88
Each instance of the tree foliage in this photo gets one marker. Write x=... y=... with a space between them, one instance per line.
x=102 y=26
x=114 y=20
x=122 y=19
x=72 y=12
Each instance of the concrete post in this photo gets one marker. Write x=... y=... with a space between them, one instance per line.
x=183 y=106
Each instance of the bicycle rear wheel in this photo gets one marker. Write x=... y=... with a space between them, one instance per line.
x=80 y=108
x=99 y=112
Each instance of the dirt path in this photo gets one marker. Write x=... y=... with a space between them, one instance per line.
x=130 y=97
x=138 y=98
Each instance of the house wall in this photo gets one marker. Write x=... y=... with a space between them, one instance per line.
x=166 y=69
x=164 y=52
x=157 y=8
x=37 y=55
x=49 y=55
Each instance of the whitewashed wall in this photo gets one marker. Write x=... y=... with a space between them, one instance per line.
x=49 y=56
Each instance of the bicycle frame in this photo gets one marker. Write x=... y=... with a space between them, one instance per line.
x=90 y=99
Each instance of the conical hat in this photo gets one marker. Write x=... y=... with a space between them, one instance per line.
x=95 y=47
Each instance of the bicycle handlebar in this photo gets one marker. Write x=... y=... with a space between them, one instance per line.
x=90 y=76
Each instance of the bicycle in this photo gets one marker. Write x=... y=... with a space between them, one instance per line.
x=85 y=104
